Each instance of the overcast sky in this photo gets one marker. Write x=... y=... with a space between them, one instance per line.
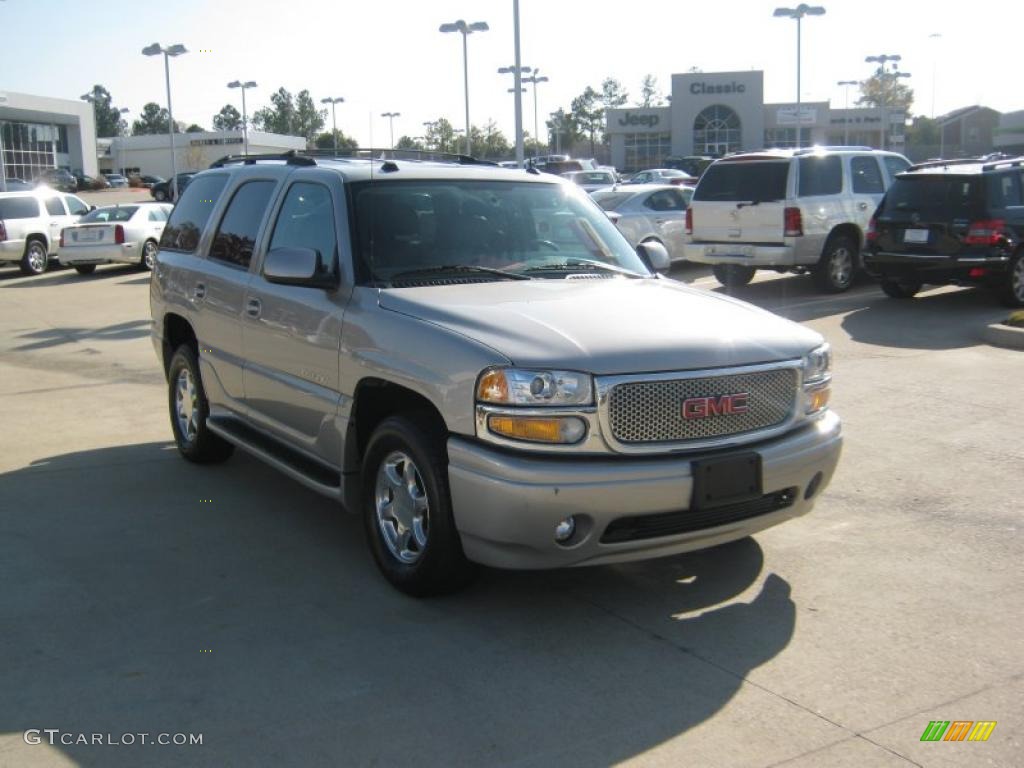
x=387 y=55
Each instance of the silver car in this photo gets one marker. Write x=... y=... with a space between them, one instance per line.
x=480 y=365
x=126 y=234
x=652 y=213
x=591 y=181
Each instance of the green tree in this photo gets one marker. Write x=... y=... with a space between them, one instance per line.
x=195 y=129
x=441 y=136
x=408 y=142
x=326 y=141
x=563 y=130
x=279 y=117
x=589 y=115
x=884 y=89
x=108 y=117
x=924 y=131
x=308 y=119
x=493 y=143
x=154 y=119
x=228 y=119
x=650 y=96
x=612 y=94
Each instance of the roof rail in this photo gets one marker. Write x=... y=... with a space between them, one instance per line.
x=1008 y=162
x=832 y=148
x=291 y=157
x=942 y=163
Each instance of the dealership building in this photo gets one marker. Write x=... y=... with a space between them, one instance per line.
x=37 y=133
x=714 y=113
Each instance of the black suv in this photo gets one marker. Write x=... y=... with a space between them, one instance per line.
x=954 y=222
x=162 y=191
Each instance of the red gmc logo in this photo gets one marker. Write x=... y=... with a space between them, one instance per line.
x=723 y=405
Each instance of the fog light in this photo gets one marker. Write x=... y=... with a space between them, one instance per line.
x=565 y=529
x=817 y=399
x=558 y=429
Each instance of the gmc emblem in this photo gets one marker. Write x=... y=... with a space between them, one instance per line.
x=723 y=405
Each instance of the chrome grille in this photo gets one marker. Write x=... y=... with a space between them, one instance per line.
x=652 y=411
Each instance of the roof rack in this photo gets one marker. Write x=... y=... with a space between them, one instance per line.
x=942 y=163
x=309 y=157
x=1008 y=162
x=832 y=148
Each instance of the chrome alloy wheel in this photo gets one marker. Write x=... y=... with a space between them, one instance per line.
x=36 y=257
x=402 y=507
x=186 y=405
x=149 y=254
x=840 y=266
x=1017 y=279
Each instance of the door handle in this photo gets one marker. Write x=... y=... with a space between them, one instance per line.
x=862 y=206
x=659 y=221
x=253 y=307
x=200 y=291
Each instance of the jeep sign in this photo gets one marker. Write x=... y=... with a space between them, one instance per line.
x=632 y=118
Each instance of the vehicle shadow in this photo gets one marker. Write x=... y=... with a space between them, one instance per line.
x=66 y=275
x=144 y=594
x=55 y=337
x=948 y=319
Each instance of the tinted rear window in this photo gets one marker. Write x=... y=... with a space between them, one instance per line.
x=744 y=181
x=935 y=198
x=821 y=175
x=190 y=215
x=101 y=215
x=19 y=208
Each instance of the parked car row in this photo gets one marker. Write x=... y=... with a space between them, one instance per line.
x=39 y=225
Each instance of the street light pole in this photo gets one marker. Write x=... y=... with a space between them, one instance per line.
x=935 y=66
x=466 y=30
x=520 y=154
x=391 y=122
x=120 y=138
x=798 y=13
x=334 y=118
x=534 y=79
x=174 y=50
x=245 y=116
x=846 y=121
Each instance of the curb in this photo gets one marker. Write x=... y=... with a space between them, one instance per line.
x=1000 y=335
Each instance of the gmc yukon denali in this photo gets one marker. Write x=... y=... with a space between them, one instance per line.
x=476 y=361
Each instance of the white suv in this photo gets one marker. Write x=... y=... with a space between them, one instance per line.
x=788 y=210
x=30 y=225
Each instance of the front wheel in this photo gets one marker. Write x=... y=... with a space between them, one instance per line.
x=85 y=269
x=900 y=290
x=1011 y=293
x=834 y=272
x=190 y=409
x=407 y=508
x=733 y=275
x=148 y=259
x=159 y=195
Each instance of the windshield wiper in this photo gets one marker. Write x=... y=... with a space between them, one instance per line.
x=459 y=269
x=577 y=265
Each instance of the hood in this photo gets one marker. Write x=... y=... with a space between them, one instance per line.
x=607 y=326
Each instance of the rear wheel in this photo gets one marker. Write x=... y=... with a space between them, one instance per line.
x=733 y=275
x=35 y=259
x=159 y=195
x=148 y=259
x=901 y=289
x=407 y=508
x=85 y=269
x=1011 y=293
x=190 y=409
x=834 y=272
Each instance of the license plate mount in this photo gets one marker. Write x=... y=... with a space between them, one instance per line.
x=919 y=236
x=726 y=480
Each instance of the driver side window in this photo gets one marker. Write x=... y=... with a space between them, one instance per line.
x=306 y=220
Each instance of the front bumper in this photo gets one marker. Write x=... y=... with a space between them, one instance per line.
x=506 y=505
x=128 y=253
x=936 y=270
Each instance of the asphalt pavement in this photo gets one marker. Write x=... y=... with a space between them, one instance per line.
x=142 y=594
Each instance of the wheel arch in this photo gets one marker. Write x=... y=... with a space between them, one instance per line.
x=176 y=331
x=846 y=229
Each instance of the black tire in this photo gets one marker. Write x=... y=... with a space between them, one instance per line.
x=437 y=565
x=35 y=260
x=900 y=290
x=148 y=258
x=159 y=195
x=837 y=267
x=85 y=269
x=1011 y=292
x=201 y=446
x=733 y=275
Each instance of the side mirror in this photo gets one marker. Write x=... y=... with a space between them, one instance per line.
x=654 y=255
x=92 y=208
x=614 y=216
x=297 y=266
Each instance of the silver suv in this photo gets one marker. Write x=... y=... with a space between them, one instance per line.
x=799 y=211
x=478 y=363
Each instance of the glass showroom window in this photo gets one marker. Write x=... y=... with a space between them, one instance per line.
x=29 y=149
x=785 y=138
x=647 y=150
x=716 y=131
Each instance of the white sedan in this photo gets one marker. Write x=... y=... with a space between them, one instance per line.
x=125 y=234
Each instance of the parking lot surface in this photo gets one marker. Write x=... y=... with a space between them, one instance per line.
x=143 y=594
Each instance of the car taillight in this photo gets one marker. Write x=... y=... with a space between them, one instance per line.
x=62 y=238
x=119 y=235
x=689 y=221
x=872 y=233
x=793 y=222
x=986 y=232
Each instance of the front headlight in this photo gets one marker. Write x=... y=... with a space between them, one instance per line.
x=515 y=386
x=817 y=379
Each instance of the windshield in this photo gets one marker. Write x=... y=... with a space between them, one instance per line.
x=747 y=181
x=102 y=215
x=545 y=230
x=934 y=198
